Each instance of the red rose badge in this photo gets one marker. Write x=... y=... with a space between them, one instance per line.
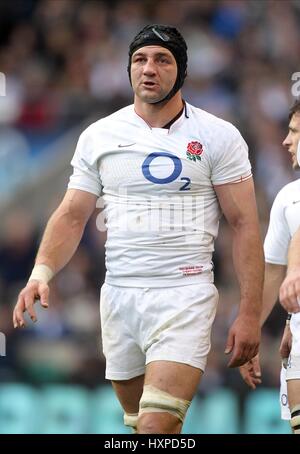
x=194 y=151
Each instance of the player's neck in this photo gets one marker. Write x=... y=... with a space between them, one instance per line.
x=158 y=115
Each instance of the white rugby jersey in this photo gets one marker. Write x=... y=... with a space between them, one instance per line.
x=284 y=221
x=162 y=213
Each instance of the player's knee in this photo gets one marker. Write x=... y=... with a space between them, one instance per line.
x=148 y=424
x=295 y=419
x=131 y=420
x=160 y=412
x=158 y=423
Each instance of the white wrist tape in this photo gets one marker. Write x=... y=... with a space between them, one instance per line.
x=41 y=273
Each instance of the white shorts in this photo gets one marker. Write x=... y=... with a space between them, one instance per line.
x=293 y=366
x=292 y=371
x=141 y=325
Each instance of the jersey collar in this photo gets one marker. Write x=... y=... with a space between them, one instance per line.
x=174 y=126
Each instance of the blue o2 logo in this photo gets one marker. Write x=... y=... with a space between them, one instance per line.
x=175 y=174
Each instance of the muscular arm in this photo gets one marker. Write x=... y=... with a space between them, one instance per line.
x=65 y=228
x=239 y=207
x=274 y=275
x=61 y=238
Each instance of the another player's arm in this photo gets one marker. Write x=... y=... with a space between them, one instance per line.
x=294 y=251
x=60 y=240
x=290 y=289
x=274 y=275
x=239 y=207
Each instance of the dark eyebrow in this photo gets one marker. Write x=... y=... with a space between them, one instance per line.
x=158 y=54
x=163 y=54
x=138 y=54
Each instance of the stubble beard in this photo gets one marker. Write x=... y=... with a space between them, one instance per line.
x=152 y=98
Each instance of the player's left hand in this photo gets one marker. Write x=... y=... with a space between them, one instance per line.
x=251 y=372
x=243 y=340
x=289 y=294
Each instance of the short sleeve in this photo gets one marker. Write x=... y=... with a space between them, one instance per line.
x=231 y=163
x=278 y=236
x=85 y=172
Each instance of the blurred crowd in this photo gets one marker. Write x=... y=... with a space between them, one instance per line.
x=66 y=61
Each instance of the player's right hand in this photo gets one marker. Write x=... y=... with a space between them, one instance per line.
x=251 y=373
x=243 y=340
x=34 y=290
x=289 y=294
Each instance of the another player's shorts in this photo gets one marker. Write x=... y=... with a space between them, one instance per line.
x=293 y=366
x=141 y=325
x=292 y=370
x=284 y=405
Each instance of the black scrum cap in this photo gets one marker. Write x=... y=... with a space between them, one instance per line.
x=168 y=37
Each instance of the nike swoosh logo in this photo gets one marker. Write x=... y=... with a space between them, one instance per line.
x=127 y=145
x=296 y=201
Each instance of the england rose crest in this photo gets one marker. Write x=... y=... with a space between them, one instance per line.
x=194 y=151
